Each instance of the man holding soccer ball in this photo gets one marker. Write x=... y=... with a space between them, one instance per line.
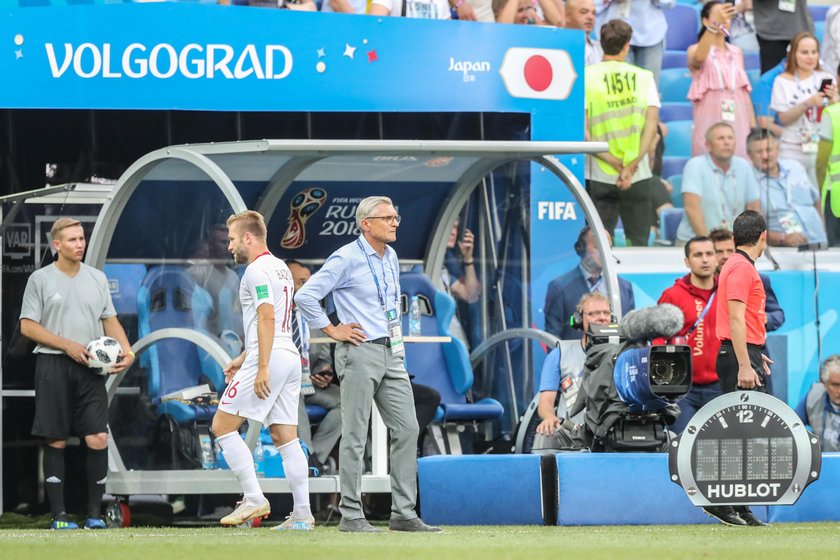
x=66 y=305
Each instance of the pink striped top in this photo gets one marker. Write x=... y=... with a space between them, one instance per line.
x=721 y=77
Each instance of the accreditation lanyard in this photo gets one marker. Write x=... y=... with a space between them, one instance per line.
x=725 y=208
x=391 y=316
x=702 y=314
x=732 y=70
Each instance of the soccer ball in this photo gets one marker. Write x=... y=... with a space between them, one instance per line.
x=105 y=352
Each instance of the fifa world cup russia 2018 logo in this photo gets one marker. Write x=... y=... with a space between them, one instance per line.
x=303 y=206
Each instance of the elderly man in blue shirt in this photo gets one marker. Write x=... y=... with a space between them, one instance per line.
x=716 y=187
x=647 y=46
x=788 y=198
x=363 y=277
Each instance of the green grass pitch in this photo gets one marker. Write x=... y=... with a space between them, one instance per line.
x=783 y=541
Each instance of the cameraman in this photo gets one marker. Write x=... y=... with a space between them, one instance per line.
x=568 y=359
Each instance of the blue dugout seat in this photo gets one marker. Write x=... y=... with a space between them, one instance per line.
x=442 y=366
x=168 y=297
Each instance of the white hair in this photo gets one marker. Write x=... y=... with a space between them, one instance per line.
x=368 y=205
x=830 y=365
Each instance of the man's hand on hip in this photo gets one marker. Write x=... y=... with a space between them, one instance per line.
x=351 y=332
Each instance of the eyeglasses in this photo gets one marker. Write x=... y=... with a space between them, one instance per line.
x=388 y=219
x=603 y=312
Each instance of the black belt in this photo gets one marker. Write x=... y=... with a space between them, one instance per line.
x=384 y=341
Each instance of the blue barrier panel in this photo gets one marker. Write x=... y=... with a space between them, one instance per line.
x=820 y=499
x=623 y=489
x=481 y=490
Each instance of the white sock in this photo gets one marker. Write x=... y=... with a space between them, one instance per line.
x=297 y=473
x=241 y=464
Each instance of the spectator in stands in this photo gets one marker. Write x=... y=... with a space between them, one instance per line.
x=299 y=5
x=458 y=277
x=564 y=293
x=742 y=32
x=474 y=10
x=580 y=14
x=789 y=199
x=720 y=89
x=419 y=9
x=566 y=362
x=716 y=187
x=525 y=12
x=828 y=169
x=694 y=294
x=622 y=109
x=831 y=40
x=724 y=248
x=649 y=25
x=798 y=98
x=766 y=117
x=316 y=387
x=820 y=408
x=211 y=271
x=344 y=6
x=776 y=23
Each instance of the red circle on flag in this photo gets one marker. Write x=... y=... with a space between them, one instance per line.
x=538 y=73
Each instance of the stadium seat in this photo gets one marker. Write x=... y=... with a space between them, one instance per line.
x=443 y=366
x=678 y=141
x=676 y=194
x=819 y=30
x=676 y=112
x=752 y=61
x=818 y=12
x=754 y=74
x=683 y=24
x=169 y=297
x=673 y=165
x=674 y=84
x=669 y=221
x=674 y=59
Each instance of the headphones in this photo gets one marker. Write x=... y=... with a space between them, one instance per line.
x=580 y=244
x=576 y=319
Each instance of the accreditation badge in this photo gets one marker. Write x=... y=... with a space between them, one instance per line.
x=395 y=332
x=727 y=110
x=787 y=6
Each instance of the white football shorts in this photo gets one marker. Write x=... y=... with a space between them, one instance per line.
x=281 y=405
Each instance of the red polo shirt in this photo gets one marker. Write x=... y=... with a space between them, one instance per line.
x=739 y=281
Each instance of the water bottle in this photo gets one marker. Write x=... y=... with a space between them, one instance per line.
x=414 y=317
x=259 y=459
x=208 y=457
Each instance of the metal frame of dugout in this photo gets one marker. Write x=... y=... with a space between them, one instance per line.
x=277 y=164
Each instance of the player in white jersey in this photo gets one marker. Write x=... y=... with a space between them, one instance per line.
x=263 y=381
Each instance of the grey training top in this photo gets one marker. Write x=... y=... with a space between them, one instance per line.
x=72 y=308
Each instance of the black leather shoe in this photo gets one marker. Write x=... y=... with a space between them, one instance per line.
x=747 y=516
x=726 y=515
x=415 y=525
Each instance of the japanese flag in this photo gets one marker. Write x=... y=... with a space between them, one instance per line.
x=538 y=73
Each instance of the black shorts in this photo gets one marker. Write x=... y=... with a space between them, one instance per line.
x=69 y=399
x=727 y=366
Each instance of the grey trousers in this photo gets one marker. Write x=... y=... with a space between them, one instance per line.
x=368 y=373
x=329 y=430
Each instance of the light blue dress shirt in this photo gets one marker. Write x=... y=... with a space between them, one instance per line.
x=348 y=274
x=646 y=19
x=722 y=195
x=791 y=192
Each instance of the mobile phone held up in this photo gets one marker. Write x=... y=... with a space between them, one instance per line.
x=825 y=83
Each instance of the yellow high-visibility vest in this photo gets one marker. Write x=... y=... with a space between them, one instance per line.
x=832 y=176
x=617 y=99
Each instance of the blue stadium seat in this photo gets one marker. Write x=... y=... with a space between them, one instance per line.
x=752 y=61
x=819 y=30
x=674 y=84
x=442 y=366
x=676 y=112
x=169 y=297
x=688 y=2
x=683 y=25
x=818 y=12
x=676 y=194
x=678 y=141
x=674 y=59
x=754 y=74
x=673 y=165
x=669 y=221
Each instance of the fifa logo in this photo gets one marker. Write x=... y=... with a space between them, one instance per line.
x=303 y=206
